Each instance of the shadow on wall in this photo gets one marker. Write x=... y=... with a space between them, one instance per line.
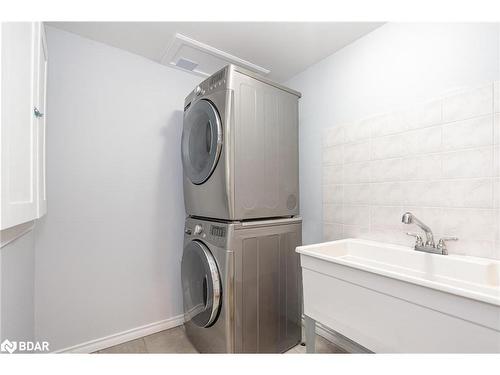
x=170 y=212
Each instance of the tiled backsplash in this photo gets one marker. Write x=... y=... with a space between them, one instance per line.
x=439 y=160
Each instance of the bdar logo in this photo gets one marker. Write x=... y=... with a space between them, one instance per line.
x=8 y=346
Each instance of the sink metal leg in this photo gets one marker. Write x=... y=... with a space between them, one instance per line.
x=310 y=328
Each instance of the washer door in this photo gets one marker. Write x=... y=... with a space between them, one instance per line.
x=201 y=141
x=200 y=284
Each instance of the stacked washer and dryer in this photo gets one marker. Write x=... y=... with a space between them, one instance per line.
x=240 y=273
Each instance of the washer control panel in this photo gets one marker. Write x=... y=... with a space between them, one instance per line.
x=217 y=231
x=214 y=233
x=198 y=229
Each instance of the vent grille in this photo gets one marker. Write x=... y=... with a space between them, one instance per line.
x=186 y=64
x=201 y=59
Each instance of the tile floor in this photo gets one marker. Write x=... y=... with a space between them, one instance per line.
x=175 y=341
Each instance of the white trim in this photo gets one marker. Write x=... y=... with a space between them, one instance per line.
x=182 y=40
x=1 y=185
x=121 y=337
x=1 y=338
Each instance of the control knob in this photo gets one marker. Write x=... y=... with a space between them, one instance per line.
x=198 y=229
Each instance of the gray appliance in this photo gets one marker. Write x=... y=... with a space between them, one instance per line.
x=240 y=147
x=241 y=285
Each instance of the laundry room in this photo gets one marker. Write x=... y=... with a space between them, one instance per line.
x=185 y=187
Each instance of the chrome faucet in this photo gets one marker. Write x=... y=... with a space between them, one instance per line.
x=429 y=246
x=409 y=218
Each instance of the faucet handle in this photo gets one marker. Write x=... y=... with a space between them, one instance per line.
x=418 y=238
x=443 y=240
x=442 y=244
x=452 y=238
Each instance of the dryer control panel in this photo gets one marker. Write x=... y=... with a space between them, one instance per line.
x=215 y=82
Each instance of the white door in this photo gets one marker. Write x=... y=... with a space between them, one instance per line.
x=41 y=115
x=18 y=123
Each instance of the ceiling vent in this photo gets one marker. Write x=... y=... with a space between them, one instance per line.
x=186 y=64
x=201 y=59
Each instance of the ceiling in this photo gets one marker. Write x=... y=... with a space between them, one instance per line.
x=284 y=48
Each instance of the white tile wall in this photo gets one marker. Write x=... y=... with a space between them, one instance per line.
x=474 y=132
x=468 y=103
x=439 y=159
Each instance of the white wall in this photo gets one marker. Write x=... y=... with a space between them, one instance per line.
x=390 y=68
x=17 y=261
x=108 y=252
x=438 y=160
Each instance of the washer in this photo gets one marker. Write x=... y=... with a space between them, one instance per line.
x=240 y=147
x=241 y=285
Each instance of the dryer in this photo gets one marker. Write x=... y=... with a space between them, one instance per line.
x=240 y=147
x=241 y=285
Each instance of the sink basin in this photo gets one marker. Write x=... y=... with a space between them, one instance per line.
x=477 y=278
x=391 y=298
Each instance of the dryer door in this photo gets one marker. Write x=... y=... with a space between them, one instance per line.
x=201 y=285
x=201 y=141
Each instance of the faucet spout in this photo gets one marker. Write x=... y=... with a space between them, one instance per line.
x=409 y=218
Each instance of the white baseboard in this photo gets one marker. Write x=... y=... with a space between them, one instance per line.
x=149 y=329
x=121 y=337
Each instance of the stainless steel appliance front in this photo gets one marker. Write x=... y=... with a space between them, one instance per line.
x=258 y=306
x=240 y=148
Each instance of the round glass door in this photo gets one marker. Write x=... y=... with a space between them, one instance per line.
x=200 y=284
x=201 y=141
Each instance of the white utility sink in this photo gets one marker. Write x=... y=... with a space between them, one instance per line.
x=392 y=298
